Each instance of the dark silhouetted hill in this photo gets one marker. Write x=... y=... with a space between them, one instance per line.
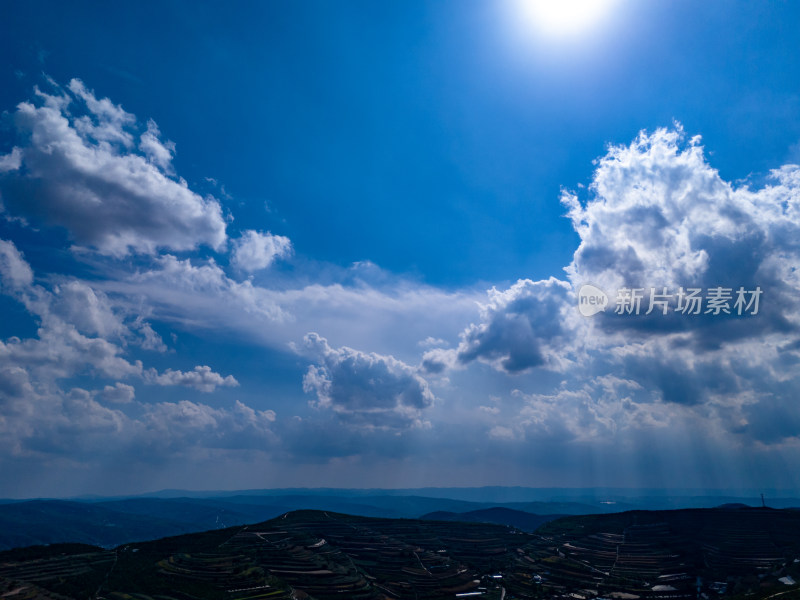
x=729 y=552
x=501 y=516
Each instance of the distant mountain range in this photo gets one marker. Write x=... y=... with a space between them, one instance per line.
x=113 y=522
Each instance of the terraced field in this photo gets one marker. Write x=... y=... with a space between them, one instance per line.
x=335 y=556
x=305 y=554
x=666 y=554
x=324 y=556
x=61 y=574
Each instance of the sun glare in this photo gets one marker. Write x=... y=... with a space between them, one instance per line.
x=564 y=17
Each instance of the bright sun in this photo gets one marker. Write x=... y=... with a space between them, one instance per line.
x=564 y=17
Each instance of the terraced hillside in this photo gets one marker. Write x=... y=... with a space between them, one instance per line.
x=668 y=554
x=305 y=554
x=753 y=553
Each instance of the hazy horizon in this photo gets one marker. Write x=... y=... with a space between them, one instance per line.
x=500 y=494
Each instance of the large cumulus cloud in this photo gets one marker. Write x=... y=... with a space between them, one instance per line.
x=78 y=166
x=658 y=215
x=366 y=389
x=528 y=325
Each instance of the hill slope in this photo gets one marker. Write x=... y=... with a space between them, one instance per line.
x=324 y=555
x=501 y=516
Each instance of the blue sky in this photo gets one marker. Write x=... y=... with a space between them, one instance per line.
x=338 y=244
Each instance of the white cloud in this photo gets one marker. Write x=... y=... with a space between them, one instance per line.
x=89 y=311
x=46 y=421
x=43 y=417
x=11 y=161
x=201 y=378
x=119 y=393
x=200 y=296
x=72 y=308
x=83 y=173
x=657 y=215
x=438 y=360
x=14 y=382
x=14 y=270
x=366 y=389
x=257 y=250
x=660 y=215
x=182 y=424
x=431 y=342
x=60 y=351
x=157 y=152
x=529 y=325
x=82 y=334
x=108 y=121
x=500 y=432
x=150 y=339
